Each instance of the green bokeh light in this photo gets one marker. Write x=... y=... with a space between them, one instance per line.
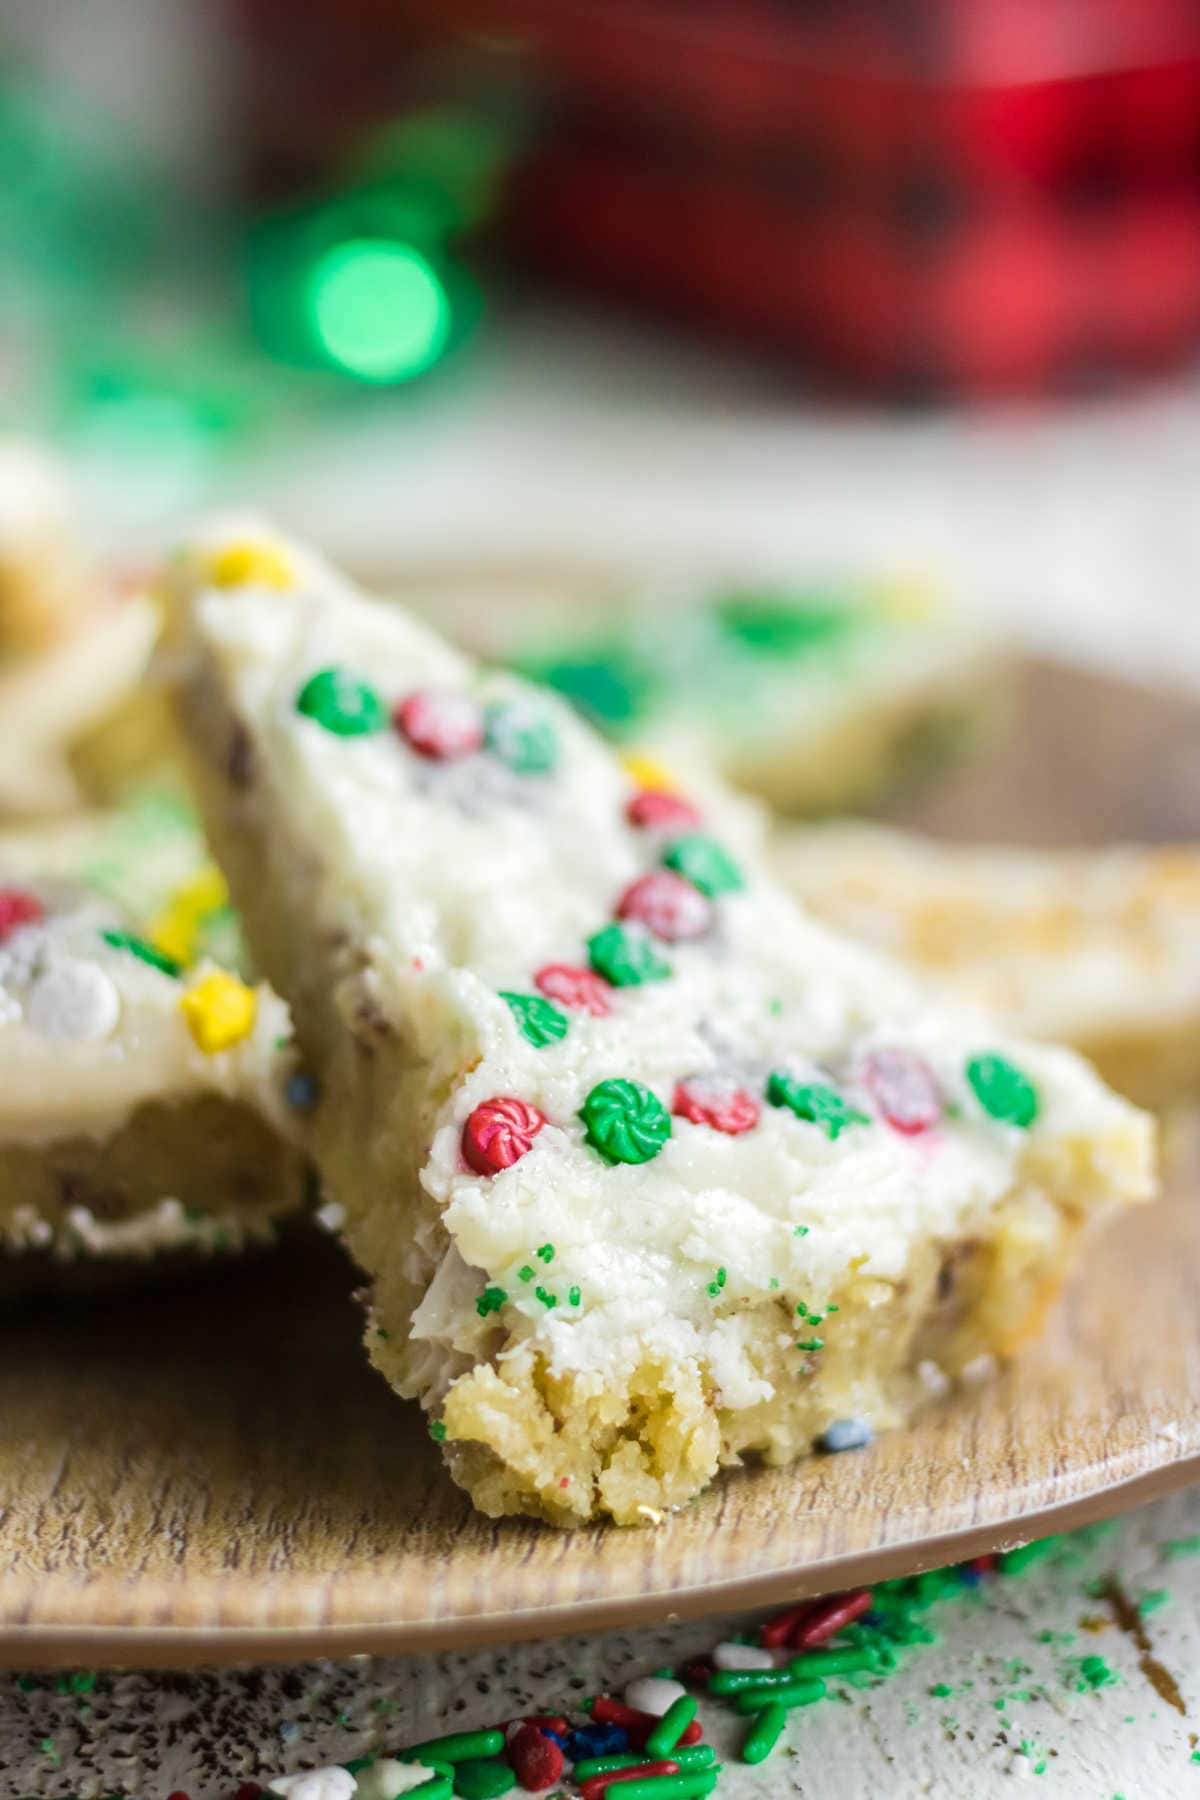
x=379 y=310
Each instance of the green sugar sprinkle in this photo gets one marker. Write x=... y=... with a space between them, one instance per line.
x=574 y=1297
x=490 y=1301
x=437 y=1431
x=547 y=1299
x=525 y=1273
x=1174 y=1548
x=799 y=1230
x=717 y=1283
x=941 y=1690
x=1151 y=1600
x=545 y=1252
x=814 y=1103
x=1004 y=1093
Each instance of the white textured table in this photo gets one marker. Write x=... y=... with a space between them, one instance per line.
x=999 y=1698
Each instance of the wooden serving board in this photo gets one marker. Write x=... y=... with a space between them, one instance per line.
x=211 y=1472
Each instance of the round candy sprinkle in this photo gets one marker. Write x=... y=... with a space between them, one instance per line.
x=575 y=987
x=17 y=908
x=74 y=999
x=440 y=725
x=522 y=738
x=499 y=1133
x=625 y=1122
x=339 y=702
x=703 y=862
x=220 y=1011
x=814 y=1102
x=136 y=946
x=656 y=810
x=666 y=905
x=537 y=1019
x=625 y=956
x=716 y=1102
x=1002 y=1091
x=537 y=1759
x=903 y=1087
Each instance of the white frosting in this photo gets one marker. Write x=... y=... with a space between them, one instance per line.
x=460 y=880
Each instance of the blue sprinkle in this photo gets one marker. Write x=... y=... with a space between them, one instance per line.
x=970 y=1577
x=845 y=1434
x=301 y=1091
x=555 y=1737
x=596 y=1740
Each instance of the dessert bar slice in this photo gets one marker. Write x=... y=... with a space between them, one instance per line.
x=143 y=1084
x=1099 y=949
x=649 y=1171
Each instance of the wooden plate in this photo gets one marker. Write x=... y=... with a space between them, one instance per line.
x=212 y=1473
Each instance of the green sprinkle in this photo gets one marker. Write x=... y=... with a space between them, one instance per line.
x=941 y=1690
x=545 y=1252
x=796 y=1693
x=1152 y=1600
x=609 y=686
x=878 y=1658
x=482 y=1779
x=339 y=702
x=703 y=862
x=625 y=1122
x=815 y=1103
x=525 y=741
x=1013 y=1562
x=604 y=1765
x=626 y=957
x=670 y=1728
x=546 y=1298
x=437 y=1431
x=810 y=1343
x=736 y=1681
x=456 y=1747
x=693 y=1756
x=1174 y=1548
x=525 y=1273
x=537 y=1019
x=764 y=1733
x=136 y=946
x=574 y=1297
x=784 y=627
x=689 y=1784
x=490 y=1301
x=1002 y=1091
x=717 y=1283
x=799 y=1230
x=1096 y=1672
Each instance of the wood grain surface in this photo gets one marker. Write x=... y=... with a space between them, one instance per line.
x=211 y=1472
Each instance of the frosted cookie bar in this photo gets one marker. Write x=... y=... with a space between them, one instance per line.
x=70 y=650
x=1099 y=949
x=815 y=699
x=142 y=1085
x=649 y=1171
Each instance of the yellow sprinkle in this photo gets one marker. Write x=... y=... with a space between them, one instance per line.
x=246 y=564
x=648 y=772
x=220 y=1011
x=908 y=598
x=177 y=926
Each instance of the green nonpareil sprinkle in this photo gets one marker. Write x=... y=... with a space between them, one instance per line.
x=437 y=1431
x=764 y=1733
x=545 y=1252
x=547 y=1299
x=574 y=1297
x=490 y=1301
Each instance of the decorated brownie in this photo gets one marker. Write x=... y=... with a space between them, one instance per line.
x=650 y=1172
x=145 y=1083
x=1099 y=949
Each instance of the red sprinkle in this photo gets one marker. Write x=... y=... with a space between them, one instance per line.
x=697 y=1671
x=499 y=1133
x=903 y=1087
x=639 y=1725
x=572 y=986
x=778 y=1631
x=654 y=810
x=667 y=905
x=708 y=1100
x=17 y=907
x=594 y=1786
x=249 y=1790
x=828 y=1617
x=536 y=1758
x=441 y=726
x=546 y=1722
x=984 y=1565
x=178 y=1794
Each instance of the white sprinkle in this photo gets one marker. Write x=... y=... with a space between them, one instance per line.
x=653 y=1694
x=333 y=1783
x=387 y=1778
x=979 y=1369
x=934 y=1378
x=73 y=999
x=743 y=1656
x=331 y=1216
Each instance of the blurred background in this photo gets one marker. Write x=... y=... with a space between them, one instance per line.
x=757 y=284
